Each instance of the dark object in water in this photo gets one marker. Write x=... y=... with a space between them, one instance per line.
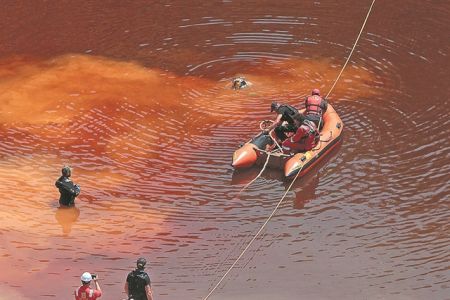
x=239 y=83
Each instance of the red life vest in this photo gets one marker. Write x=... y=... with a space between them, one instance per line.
x=305 y=139
x=309 y=140
x=314 y=105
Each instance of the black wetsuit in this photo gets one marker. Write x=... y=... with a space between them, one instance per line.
x=68 y=191
x=137 y=280
x=287 y=113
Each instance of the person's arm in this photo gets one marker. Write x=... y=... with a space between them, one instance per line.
x=98 y=291
x=126 y=288
x=148 y=292
x=59 y=183
x=275 y=123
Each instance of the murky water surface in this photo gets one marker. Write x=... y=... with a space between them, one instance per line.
x=136 y=98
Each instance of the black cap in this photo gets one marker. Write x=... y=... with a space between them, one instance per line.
x=140 y=263
x=274 y=106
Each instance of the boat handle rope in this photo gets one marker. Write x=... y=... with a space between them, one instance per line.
x=296 y=176
x=262 y=170
x=268 y=153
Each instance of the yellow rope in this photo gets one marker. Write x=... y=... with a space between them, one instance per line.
x=268 y=153
x=254 y=237
x=354 y=46
x=262 y=170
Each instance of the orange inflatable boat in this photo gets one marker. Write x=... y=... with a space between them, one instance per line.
x=254 y=152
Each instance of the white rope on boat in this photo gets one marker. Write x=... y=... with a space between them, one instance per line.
x=268 y=153
x=296 y=176
x=254 y=179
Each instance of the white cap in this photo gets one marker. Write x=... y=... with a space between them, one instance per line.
x=86 y=277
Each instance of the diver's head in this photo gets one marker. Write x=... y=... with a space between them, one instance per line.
x=238 y=83
x=315 y=92
x=274 y=106
x=66 y=171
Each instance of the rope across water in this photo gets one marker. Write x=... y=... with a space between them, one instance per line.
x=299 y=171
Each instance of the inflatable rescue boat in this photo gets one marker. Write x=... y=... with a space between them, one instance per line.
x=255 y=151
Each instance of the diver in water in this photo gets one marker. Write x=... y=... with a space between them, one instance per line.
x=239 y=83
x=67 y=188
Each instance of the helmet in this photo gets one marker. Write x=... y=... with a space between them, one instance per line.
x=141 y=262
x=86 y=277
x=315 y=92
x=66 y=171
x=274 y=106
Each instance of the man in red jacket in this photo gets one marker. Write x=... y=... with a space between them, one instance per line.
x=85 y=292
x=304 y=139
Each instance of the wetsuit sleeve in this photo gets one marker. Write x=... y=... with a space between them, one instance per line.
x=58 y=183
x=301 y=131
x=68 y=187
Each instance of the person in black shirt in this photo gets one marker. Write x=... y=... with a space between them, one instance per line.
x=138 y=286
x=284 y=123
x=67 y=188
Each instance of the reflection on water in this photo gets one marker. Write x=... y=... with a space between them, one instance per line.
x=66 y=217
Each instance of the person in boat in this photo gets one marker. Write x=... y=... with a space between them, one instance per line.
x=315 y=107
x=85 y=291
x=137 y=285
x=305 y=138
x=284 y=123
x=67 y=189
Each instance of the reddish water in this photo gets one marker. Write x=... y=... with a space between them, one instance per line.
x=136 y=98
